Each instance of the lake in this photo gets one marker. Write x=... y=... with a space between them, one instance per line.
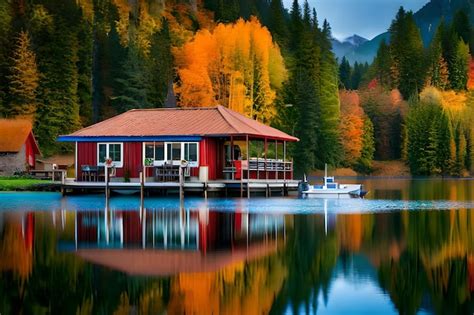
x=408 y=248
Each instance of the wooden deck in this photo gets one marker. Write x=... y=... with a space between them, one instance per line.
x=223 y=187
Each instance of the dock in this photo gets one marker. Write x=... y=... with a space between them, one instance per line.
x=215 y=187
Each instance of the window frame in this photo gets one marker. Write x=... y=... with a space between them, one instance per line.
x=117 y=164
x=165 y=153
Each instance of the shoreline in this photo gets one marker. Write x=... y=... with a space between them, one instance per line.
x=56 y=187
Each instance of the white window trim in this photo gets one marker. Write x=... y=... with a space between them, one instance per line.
x=191 y=163
x=117 y=164
x=161 y=162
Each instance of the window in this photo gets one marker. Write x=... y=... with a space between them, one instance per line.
x=190 y=152
x=149 y=150
x=172 y=152
x=155 y=151
x=110 y=150
x=159 y=151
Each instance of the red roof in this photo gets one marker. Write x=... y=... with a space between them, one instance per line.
x=199 y=121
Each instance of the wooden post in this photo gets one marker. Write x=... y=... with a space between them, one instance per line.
x=284 y=161
x=276 y=160
x=142 y=188
x=181 y=184
x=63 y=182
x=106 y=170
x=248 y=166
x=232 y=155
x=266 y=162
x=242 y=174
x=284 y=169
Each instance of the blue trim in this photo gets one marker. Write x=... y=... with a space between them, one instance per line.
x=129 y=139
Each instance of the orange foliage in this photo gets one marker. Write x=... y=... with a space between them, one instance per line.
x=226 y=65
x=470 y=81
x=350 y=231
x=15 y=254
x=241 y=288
x=453 y=101
x=351 y=125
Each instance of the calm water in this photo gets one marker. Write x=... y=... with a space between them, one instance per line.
x=408 y=249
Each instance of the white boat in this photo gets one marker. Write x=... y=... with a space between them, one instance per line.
x=331 y=189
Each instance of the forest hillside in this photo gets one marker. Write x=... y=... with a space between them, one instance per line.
x=66 y=64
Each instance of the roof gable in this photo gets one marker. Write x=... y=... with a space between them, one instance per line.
x=14 y=133
x=213 y=121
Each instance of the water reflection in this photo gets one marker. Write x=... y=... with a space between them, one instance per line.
x=197 y=260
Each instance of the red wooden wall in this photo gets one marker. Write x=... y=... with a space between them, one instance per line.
x=132 y=158
x=30 y=150
x=86 y=155
x=211 y=154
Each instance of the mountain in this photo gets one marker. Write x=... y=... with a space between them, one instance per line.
x=427 y=19
x=367 y=51
x=348 y=45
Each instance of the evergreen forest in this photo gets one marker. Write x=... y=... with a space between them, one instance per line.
x=66 y=64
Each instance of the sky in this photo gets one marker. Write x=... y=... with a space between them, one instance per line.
x=366 y=18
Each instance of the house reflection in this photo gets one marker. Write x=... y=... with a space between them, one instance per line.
x=164 y=242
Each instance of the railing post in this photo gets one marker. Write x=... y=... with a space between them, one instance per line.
x=142 y=187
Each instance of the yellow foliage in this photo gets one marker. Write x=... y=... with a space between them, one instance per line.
x=149 y=24
x=122 y=24
x=234 y=65
x=453 y=101
x=124 y=307
x=431 y=95
x=87 y=8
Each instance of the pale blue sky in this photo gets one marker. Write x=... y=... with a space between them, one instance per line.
x=367 y=18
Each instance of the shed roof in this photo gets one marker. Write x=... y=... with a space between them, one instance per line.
x=196 y=121
x=14 y=133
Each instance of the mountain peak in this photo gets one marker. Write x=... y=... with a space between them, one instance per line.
x=355 y=40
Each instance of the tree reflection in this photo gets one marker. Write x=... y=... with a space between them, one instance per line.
x=422 y=260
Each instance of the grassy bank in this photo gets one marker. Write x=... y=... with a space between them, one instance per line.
x=379 y=168
x=21 y=183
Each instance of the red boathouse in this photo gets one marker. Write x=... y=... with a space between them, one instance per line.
x=217 y=143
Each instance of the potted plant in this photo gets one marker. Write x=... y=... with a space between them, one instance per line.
x=148 y=162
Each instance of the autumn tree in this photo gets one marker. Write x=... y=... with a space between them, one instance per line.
x=235 y=65
x=24 y=78
x=351 y=126
x=386 y=110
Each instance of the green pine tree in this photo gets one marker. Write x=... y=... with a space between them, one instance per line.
x=345 y=72
x=407 y=53
x=364 y=163
x=278 y=24
x=383 y=65
x=329 y=148
x=131 y=91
